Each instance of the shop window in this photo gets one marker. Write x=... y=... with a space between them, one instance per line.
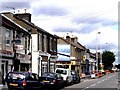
x=44 y=68
x=52 y=67
x=55 y=45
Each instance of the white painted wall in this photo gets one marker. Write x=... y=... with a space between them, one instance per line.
x=35 y=53
x=35 y=61
x=34 y=42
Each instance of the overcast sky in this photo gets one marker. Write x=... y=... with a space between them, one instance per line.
x=81 y=18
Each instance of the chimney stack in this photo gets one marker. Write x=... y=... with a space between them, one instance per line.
x=68 y=37
x=74 y=39
x=26 y=16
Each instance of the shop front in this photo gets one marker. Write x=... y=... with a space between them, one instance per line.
x=62 y=64
x=6 y=63
x=53 y=59
x=75 y=65
x=24 y=62
x=45 y=64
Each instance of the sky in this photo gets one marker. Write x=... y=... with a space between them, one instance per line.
x=94 y=22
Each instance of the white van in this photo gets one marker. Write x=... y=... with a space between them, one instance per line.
x=66 y=74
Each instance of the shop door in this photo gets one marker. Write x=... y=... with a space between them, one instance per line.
x=3 y=69
x=72 y=67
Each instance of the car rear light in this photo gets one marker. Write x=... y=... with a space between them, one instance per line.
x=54 y=81
x=24 y=83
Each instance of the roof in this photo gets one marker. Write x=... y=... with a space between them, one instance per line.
x=29 y=23
x=21 y=28
x=77 y=45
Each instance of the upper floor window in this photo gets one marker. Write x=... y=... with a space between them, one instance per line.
x=55 y=45
x=45 y=42
x=50 y=43
x=22 y=41
x=40 y=41
x=8 y=37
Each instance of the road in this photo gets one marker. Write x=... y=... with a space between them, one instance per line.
x=107 y=82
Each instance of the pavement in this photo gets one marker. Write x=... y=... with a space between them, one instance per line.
x=86 y=77
x=2 y=86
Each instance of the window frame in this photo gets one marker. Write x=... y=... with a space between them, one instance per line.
x=45 y=43
x=40 y=42
x=7 y=37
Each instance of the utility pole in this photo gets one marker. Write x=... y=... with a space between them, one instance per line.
x=97 y=51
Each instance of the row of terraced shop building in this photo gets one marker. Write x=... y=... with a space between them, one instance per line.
x=25 y=46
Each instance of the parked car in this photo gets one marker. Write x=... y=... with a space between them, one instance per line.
x=66 y=74
x=52 y=80
x=75 y=77
x=93 y=74
x=22 y=80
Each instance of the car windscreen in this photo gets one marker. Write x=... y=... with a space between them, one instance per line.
x=61 y=71
x=16 y=76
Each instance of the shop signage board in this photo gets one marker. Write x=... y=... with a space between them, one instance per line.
x=63 y=52
x=6 y=53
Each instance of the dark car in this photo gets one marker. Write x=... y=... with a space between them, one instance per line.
x=52 y=80
x=22 y=80
x=75 y=77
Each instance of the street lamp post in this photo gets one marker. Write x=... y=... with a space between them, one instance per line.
x=15 y=61
x=96 y=58
x=97 y=52
x=14 y=57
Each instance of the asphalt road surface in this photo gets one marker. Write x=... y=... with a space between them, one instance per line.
x=107 y=82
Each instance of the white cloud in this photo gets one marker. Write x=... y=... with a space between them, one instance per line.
x=84 y=18
x=97 y=9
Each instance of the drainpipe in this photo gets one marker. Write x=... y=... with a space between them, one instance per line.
x=40 y=65
x=49 y=62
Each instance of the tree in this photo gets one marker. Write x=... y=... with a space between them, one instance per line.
x=108 y=58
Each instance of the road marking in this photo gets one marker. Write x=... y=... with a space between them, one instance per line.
x=103 y=79
x=87 y=87
x=92 y=85
x=99 y=82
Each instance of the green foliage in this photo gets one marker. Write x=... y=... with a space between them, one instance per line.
x=88 y=50
x=108 y=58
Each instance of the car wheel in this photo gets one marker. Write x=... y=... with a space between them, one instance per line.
x=79 y=81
